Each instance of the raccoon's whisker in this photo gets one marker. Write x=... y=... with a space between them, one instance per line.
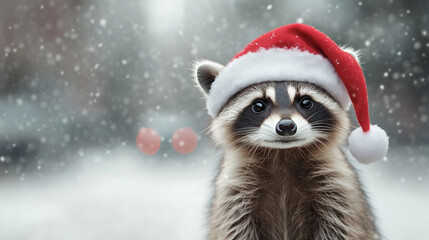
x=327 y=129
x=317 y=145
x=205 y=130
x=252 y=130
x=244 y=129
x=319 y=127
x=323 y=120
x=269 y=132
x=245 y=137
x=241 y=140
x=314 y=114
x=322 y=143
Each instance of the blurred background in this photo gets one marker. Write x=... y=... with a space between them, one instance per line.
x=78 y=79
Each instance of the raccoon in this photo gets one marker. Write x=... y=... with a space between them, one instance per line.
x=283 y=174
x=282 y=129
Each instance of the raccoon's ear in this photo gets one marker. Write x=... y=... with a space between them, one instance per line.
x=205 y=73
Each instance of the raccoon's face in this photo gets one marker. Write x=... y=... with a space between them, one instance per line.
x=279 y=115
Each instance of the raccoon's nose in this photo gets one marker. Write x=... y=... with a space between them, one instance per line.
x=286 y=127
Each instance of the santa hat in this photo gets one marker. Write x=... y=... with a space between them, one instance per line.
x=302 y=53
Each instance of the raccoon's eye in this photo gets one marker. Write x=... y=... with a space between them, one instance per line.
x=306 y=103
x=259 y=106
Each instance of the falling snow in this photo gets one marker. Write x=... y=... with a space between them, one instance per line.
x=103 y=22
x=81 y=78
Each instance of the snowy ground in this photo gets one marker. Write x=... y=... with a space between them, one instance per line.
x=128 y=198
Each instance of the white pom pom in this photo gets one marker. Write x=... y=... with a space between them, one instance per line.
x=368 y=147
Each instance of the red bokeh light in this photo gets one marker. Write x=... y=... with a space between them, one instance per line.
x=184 y=140
x=148 y=141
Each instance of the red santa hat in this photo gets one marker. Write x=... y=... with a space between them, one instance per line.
x=302 y=53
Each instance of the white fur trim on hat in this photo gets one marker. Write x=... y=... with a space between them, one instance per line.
x=368 y=147
x=275 y=64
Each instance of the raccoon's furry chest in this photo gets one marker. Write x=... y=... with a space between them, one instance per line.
x=286 y=193
x=282 y=196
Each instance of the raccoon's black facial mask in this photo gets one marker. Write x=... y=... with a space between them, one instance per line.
x=250 y=118
x=320 y=117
